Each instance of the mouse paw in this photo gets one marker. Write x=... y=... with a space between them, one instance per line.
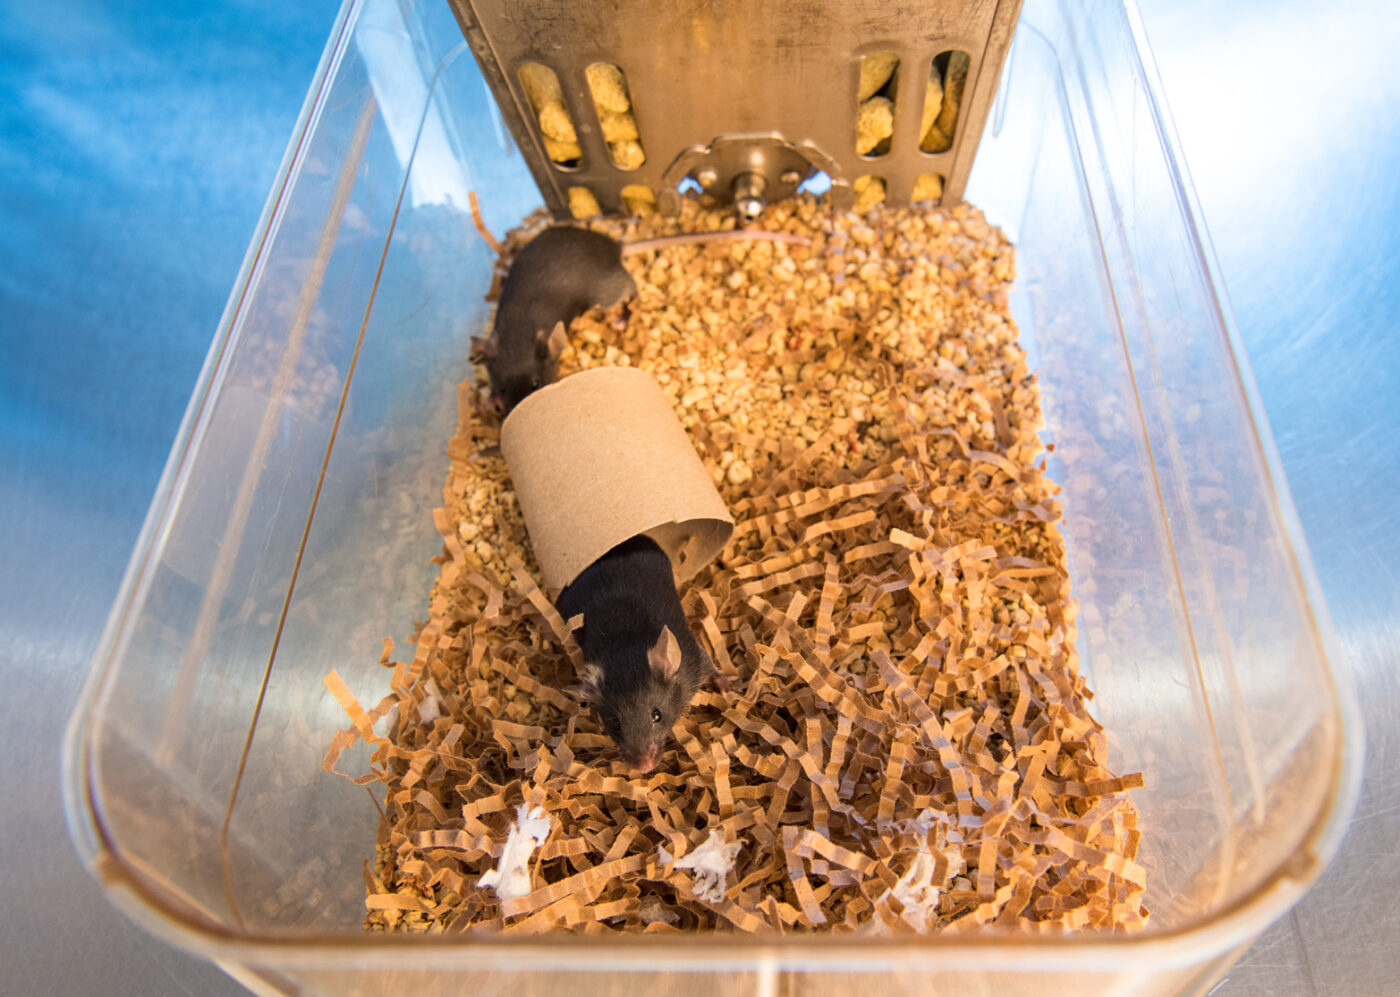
x=726 y=683
x=489 y=406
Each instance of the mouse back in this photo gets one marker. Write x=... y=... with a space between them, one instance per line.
x=556 y=277
x=565 y=269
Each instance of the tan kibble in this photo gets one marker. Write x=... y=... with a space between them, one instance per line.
x=639 y=199
x=933 y=100
x=869 y=191
x=557 y=125
x=739 y=473
x=561 y=152
x=875 y=70
x=608 y=87
x=540 y=83
x=582 y=203
x=938 y=137
x=928 y=187
x=874 y=123
x=627 y=155
x=546 y=98
x=618 y=127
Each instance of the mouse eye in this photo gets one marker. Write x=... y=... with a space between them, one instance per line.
x=655 y=715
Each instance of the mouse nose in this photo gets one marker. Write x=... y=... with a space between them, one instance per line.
x=647 y=762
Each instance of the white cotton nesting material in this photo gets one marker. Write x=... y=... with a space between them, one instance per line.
x=511 y=877
x=916 y=889
x=917 y=892
x=431 y=708
x=709 y=864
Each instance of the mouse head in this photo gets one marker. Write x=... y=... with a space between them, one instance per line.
x=639 y=705
x=516 y=373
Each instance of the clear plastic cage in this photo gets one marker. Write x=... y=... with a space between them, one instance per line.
x=313 y=453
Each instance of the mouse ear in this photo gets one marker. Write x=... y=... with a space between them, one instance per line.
x=548 y=345
x=590 y=689
x=558 y=339
x=483 y=349
x=665 y=656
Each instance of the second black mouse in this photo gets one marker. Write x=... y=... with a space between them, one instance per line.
x=557 y=276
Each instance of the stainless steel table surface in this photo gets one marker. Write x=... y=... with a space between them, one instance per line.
x=137 y=144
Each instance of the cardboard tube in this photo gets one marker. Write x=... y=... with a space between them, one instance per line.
x=597 y=459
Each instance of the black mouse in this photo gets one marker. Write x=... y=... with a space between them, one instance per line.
x=556 y=277
x=642 y=663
